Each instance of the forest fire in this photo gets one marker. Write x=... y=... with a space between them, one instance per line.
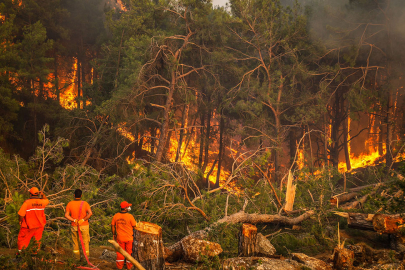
x=68 y=97
x=187 y=155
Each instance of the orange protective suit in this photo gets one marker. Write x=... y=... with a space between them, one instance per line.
x=124 y=227
x=33 y=222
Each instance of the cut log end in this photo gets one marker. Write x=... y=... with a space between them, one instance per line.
x=247 y=240
x=148 y=246
x=149 y=228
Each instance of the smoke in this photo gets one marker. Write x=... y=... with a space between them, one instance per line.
x=359 y=22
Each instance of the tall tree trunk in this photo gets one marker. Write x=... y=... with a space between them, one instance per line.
x=41 y=94
x=35 y=114
x=345 y=141
x=183 y=125
x=380 y=138
x=79 y=82
x=201 y=154
x=207 y=141
x=166 y=119
x=311 y=155
x=83 y=73
x=334 y=149
x=57 y=91
x=293 y=148
x=388 y=139
x=221 y=149
x=153 y=140
x=326 y=141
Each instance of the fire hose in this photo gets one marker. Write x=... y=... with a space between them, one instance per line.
x=83 y=247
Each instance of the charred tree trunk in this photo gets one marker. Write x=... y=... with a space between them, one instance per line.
x=148 y=246
x=200 y=156
x=388 y=155
x=207 y=141
x=83 y=73
x=380 y=139
x=164 y=130
x=345 y=141
x=334 y=148
x=325 y=146
x=79 y=82
x=183 y=124
x=221 y=150
x=153 y=140
x=57 y=91
x=311 y=155
x=293 y=148
x=247 y=240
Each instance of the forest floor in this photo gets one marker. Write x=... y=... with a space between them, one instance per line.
x=107 y=262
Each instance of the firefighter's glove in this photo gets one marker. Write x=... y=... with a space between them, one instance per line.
x=80 y=221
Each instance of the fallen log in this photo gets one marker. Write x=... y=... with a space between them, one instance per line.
x=358 y=220
x=362 y=200
x=339 y=199
x=148 y=245
x=126 y=255
x=242 y=217
x=247 y=240
x=381 y=223
x=174 y=252
x=387 y=224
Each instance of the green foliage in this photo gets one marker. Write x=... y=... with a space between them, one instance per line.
x=207 y=263
x=286 y=243
x=227 y=236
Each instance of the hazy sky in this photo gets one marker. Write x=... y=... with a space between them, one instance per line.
x=219 y=2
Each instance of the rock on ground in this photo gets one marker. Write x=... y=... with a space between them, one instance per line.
x=263 y=246
x=260 y=263
x=310 y=262
x=194 y=248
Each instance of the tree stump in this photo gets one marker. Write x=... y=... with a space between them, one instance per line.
x=247 y=240
x=147 y=248
x=343 y=258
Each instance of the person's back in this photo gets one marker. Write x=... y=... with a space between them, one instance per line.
x=79 y=212
x=74 y=209
x=122 y=226
x=32 y=218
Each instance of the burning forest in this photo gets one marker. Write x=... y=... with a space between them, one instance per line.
x=263 y=134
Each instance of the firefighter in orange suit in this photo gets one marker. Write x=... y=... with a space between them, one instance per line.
x=79 y=212
x=32 y=218
x=122 y=227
